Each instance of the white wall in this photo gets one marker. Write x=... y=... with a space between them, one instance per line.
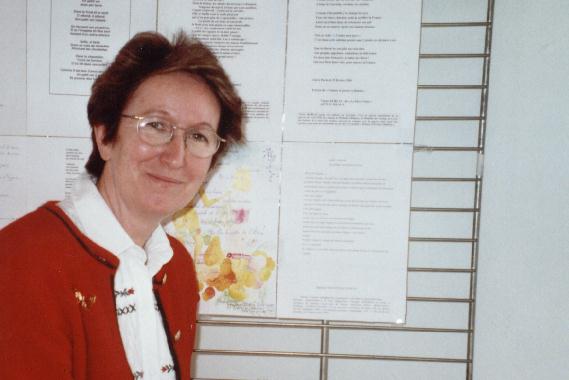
x=523 y=283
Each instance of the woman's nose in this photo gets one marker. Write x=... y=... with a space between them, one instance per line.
x=175 y=151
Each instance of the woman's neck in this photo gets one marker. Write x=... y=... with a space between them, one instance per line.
x=136 y=224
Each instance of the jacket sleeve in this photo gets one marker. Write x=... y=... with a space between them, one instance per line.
x=35 y=329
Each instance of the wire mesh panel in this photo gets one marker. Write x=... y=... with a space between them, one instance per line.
x=437 y=340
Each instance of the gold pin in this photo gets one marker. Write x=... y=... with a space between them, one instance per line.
x=85 y=302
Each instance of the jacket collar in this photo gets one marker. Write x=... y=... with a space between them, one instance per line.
x=100 y=254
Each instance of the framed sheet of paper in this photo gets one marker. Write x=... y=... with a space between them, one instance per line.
x=13 y=178
x=24 y=162
x=70 y=42
x=13 y=67
x=352 y=71
x=249 y=39
x=344 y=231
x=232 y=231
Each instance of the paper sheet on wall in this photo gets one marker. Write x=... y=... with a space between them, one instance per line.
x=232 y=233
x=13 y=67
x=13 y=178
x=352 y=70
x=248 y=36
x=344 y=231
x=34 y=170
x=63 y=158
x=69 y=43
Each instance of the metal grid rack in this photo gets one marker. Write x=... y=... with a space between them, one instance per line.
x=438 y=339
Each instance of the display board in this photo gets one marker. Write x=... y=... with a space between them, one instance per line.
x=440 y=134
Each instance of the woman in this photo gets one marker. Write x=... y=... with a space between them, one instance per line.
x=93 y=288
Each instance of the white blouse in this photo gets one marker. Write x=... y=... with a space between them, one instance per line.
x=139 y=318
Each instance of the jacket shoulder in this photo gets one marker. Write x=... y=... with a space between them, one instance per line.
x=38 y=239
x=34 y=228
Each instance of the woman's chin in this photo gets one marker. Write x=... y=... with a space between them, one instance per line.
x=160 y=209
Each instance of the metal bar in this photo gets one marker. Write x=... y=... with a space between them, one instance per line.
x=331 y=326
x=444 y=179
x=443 y=209
x=454 y=24
x=324 y=350
x=402 y=329
x=447 y=118
x=452 y=56
x=423 y=148
x=442 y=240
x=451 y=87
x=329 y=356
x=478 y=190
x=441 y=270
x=438 y=299
x=472 y=284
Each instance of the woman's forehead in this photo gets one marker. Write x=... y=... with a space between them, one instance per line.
x=174 y=94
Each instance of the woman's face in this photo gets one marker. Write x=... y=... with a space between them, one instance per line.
x=140 y=180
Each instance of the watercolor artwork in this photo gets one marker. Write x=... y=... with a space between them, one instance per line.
x=231 y=230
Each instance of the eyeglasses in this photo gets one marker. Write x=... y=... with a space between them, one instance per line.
x=200 y=142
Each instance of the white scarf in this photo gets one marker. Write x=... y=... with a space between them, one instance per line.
x=139 y=318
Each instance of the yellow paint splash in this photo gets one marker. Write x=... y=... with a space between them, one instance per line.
x=242 y=180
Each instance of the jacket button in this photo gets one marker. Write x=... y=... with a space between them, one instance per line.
x=178 y=335
x=164 y=278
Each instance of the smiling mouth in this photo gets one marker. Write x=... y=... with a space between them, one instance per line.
x=164 y=179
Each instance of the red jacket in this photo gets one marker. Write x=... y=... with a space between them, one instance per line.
x=57 y=308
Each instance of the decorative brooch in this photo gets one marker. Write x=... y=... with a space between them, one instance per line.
x=85 y=302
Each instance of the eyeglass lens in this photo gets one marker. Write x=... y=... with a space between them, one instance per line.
x=201 y=142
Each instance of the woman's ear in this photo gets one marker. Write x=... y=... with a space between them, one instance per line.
x=104 y=148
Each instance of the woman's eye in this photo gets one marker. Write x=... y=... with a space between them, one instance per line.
x=199 y=137
x=157 y=125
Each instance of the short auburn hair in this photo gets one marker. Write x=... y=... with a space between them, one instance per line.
x=148 y=54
